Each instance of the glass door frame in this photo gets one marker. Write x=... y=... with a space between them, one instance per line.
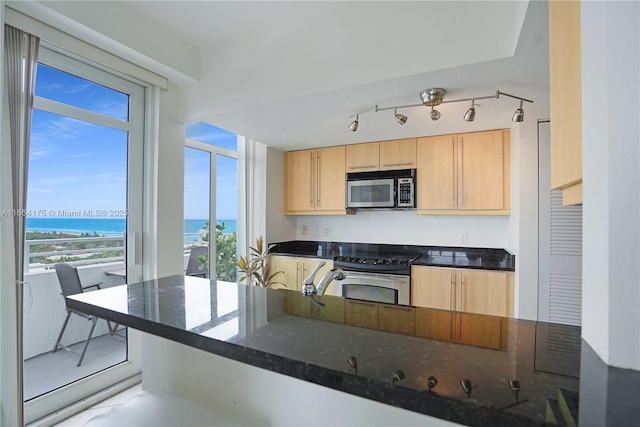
x=213 y=151
x=135 y=126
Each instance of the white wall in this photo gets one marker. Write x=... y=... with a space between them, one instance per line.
x=611 y=180
x=279 y=227
x=170 y=186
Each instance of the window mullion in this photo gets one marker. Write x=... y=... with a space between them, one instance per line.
x=79 y=114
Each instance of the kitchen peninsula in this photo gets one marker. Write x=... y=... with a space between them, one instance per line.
x=291 y=336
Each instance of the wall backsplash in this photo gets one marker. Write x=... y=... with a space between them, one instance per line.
x=405 y=227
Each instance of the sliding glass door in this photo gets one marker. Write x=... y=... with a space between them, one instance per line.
x=84 y=209
x=211 y=199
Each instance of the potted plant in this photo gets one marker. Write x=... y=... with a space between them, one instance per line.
x=255 y=268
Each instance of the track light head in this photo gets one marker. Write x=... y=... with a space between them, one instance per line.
x=353 y=126
x=435 y=114
x=470 y=115
x=400 y=118
x=518 y=115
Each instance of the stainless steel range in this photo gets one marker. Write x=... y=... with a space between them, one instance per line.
x=372 y=278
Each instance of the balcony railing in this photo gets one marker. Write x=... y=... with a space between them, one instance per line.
x=89 y=253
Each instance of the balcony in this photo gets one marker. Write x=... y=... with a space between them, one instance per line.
x=99 y=260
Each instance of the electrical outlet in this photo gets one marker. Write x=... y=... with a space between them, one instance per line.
x=464 y=238
x=303 y=229
x=327 y=230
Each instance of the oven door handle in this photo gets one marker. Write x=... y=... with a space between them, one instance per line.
x=378 y=277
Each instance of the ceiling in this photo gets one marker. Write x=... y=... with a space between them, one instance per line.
x=289 y=74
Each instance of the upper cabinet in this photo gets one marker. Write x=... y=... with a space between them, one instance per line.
x=314 y=181
x=363 y=157
x=565 y=88
x=384 y=155
x=464 y=174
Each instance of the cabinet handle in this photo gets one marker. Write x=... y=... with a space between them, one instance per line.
x=454 y=190
x=362 y=303
x=398 y=164
x=451 y=285
x=311 y=180
x=462 y=173
x=362 y=167
x=393 y=307
x=318 y=180
x=461 y=292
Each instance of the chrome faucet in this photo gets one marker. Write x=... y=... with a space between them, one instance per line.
x=309 y=288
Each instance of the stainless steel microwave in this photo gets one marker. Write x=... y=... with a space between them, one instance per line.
x=394 y=189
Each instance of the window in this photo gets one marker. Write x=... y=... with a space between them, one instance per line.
x=211 y=197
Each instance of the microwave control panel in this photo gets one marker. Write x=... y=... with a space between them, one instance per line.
x=405 y=193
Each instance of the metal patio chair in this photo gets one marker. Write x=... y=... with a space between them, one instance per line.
x=70 y=285
x=193 y=265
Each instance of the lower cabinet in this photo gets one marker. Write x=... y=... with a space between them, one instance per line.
x=398 y=319
x=299 y=305
x=462 y=328
x=296 y=269
x=464 y=290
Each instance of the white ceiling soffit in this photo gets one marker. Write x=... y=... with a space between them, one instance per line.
x=253 y=53
x=321 y=119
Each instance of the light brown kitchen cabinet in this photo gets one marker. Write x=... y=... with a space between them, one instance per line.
x=296 y=269
x=363 y=314
x=398 y=154
x=464 y=290
x=565 y=100
x=462 y=328
x=398 y=319
x=314 y=182
x=383 y=155
x=299 y=305
x=362 y=157
x=464 y=174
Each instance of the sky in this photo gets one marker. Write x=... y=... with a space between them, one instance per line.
x=80 y=166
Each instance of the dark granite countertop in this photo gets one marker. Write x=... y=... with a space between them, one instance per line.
x=432 y=256
x=299 y=339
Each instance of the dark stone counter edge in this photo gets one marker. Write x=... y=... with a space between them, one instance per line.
x=438 y=407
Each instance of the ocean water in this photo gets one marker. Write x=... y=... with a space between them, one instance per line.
x=113 y=226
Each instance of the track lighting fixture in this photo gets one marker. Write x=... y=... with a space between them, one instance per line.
x=353 y=126
x=518 y=115
x=435 y=114
x=435 y=96
x=470 y=115
x=400 y=118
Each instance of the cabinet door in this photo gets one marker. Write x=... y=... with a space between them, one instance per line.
x=437 y=178
x=330 y=184
x=333 y=310
x=363 y=157
x=482 y=331
x=397 y=319
x=433 y=287
x=484 y=292
x=398 y=154
x=481 y=176
x=299 y=186
x=289 y=267
x=362 y=314
x=434 y=324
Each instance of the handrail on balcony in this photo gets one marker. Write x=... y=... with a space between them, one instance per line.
x=29 y=255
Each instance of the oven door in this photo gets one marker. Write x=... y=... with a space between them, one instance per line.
x=384 y=288
x=371 y=193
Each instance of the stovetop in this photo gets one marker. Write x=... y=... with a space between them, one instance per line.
x=375 y=263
